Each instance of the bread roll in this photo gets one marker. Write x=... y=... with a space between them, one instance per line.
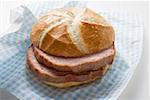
x=72 y=32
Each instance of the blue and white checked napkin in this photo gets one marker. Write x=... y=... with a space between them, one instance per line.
x=15 y=78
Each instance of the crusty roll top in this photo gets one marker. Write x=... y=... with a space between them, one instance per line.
x=72 y=32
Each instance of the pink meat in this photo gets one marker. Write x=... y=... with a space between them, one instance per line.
x=76 y=65
x=52 y=75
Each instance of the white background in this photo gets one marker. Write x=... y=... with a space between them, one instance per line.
x=138 y=87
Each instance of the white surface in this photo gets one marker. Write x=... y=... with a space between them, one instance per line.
x=137 y=88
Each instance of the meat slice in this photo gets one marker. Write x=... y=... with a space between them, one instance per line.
x=76 y=65
x=50 y=75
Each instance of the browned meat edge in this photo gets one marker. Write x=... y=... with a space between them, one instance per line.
x=52 y=75
x=76 y=65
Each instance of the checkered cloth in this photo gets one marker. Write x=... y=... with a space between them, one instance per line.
x=18 y=80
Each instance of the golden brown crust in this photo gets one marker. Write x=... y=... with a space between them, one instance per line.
x=57 y=41
x=97 y=37
x=36 y=32
x=51 y=33
x=96 y=32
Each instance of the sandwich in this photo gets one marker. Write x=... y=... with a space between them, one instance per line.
x=70 y=47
